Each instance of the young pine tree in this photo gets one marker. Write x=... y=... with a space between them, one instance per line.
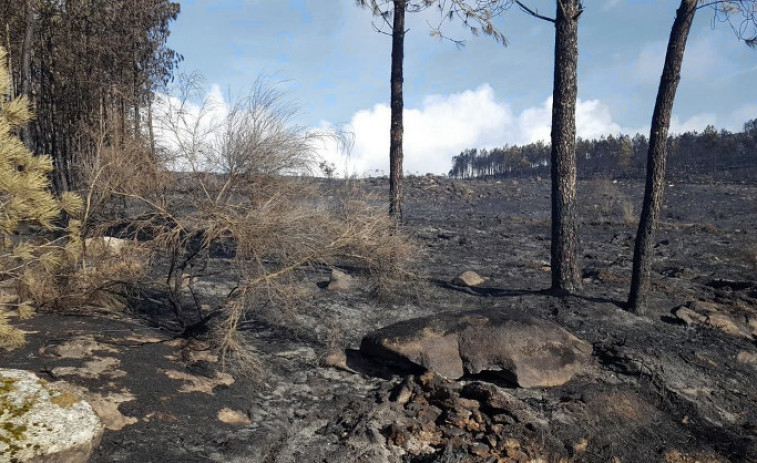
x=25 y=199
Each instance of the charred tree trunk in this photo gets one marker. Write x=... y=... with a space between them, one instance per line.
x=26 y=51
x=656 y=156
x=566 y=275
x=137 y=118
x=26 y=65
x=150 y=129
x=396 y=129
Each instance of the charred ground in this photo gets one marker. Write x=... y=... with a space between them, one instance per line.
x=676 y=386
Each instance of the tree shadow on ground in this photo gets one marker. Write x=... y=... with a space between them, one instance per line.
x=488 y=291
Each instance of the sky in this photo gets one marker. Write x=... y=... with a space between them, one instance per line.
x=335 y=67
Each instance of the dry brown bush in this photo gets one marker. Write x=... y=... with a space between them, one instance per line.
x=602 y=201
x=237 y=192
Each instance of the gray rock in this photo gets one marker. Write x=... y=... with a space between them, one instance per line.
x=43 y=425
x=468 y=278
x=339 y=281
x=747 y=358
x=106 y=245
x=529 y=352
x=712 y=315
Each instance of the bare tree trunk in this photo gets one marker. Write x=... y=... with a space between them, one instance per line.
x=150 y=129
x=26 y=66
x=26 y=51
x=136 y=90
x=656 y=156
x=396 y=129
x=566 y=275
x=137 y=120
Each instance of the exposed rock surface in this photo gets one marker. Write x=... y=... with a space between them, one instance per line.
x=529 y=352
x=715 y=316
x=41 y=424
x=468 y=278
x=339 y=281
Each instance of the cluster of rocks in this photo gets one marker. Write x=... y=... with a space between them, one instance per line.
x=730 y=320
x=476 y=422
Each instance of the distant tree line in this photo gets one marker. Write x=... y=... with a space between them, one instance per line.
x=720 y=154
x=88 y=68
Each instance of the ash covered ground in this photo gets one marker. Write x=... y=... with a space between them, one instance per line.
x=676 y=386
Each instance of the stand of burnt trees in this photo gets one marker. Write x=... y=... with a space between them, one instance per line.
x=89 y=67
x=716 y=154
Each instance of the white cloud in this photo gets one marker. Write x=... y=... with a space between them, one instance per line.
x=440 y=128
x=732 y=121
x=444 y=125
x=694 y=123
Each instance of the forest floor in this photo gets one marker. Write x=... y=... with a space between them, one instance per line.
x=675 y=386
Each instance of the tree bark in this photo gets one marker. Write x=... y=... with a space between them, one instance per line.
x=656 y=156
x=150 y=129
x=135 y=103
x=566 y=275
x=396 y=129
x=26 y=51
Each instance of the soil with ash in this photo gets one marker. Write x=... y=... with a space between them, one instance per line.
x=676 y=386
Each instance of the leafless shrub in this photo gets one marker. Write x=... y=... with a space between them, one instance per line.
x=112 y=171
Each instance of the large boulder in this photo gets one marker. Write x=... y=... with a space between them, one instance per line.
x=526 y=351
x=41 y=424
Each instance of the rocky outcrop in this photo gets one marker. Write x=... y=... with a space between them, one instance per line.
x=529 y=352
x=42 y=424
x=717 y=316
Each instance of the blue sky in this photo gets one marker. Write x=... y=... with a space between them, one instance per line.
x=336 y=68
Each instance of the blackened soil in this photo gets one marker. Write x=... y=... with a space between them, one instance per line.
x=658 y=389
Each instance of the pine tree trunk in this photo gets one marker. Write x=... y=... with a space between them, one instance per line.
x=566 y=275
x=656 y=156
x=150 y=128
x=396 y=129
x=136 y=90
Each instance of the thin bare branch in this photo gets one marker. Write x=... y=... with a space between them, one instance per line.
x=533 y=13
